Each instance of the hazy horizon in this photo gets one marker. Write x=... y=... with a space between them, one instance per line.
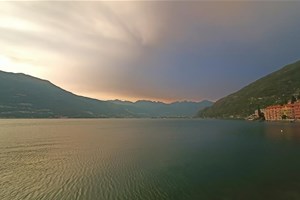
x=158 y=51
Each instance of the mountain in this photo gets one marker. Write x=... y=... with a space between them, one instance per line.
x=145 y=108
x=275 y=88
x=24 y=96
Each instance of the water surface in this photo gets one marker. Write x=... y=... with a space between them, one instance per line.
x=149 y=159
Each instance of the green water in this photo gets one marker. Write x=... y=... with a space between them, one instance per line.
x=149 y=159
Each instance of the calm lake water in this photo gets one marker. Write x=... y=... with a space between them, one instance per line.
x=149 y=159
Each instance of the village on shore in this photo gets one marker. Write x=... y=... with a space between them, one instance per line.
x=285 y=112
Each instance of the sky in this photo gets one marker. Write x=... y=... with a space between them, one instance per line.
x=155 y=50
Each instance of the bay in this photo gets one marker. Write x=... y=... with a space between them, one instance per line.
x=148 y=159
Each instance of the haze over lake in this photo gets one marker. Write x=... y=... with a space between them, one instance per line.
x=149 y=159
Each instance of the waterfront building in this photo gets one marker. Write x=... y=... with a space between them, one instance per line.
x=287 y=111
x=273 y=113
x=297 y=110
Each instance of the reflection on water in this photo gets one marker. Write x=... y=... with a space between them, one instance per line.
x=148 y=159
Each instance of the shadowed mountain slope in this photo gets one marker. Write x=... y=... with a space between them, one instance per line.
x=275 y=88
x=29 y=97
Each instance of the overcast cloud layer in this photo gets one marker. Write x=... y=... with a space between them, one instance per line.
x=149 y=50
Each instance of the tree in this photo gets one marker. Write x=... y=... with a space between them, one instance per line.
x=284 y=101
x=293 y=99
x=261 y=115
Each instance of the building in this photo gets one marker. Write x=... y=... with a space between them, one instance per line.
x=297 y=110
x=273 y=113
x=287 y=111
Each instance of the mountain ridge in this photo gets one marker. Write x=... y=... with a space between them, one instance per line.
x=25 y=96
x=275 y=88
x=147 y=108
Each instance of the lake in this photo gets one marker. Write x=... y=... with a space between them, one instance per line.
x=149 y=159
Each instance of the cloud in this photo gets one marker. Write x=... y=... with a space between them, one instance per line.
x=157 y=50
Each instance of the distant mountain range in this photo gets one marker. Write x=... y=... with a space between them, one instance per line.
x=23 y=96
x=276 y=88
x=159 y=109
